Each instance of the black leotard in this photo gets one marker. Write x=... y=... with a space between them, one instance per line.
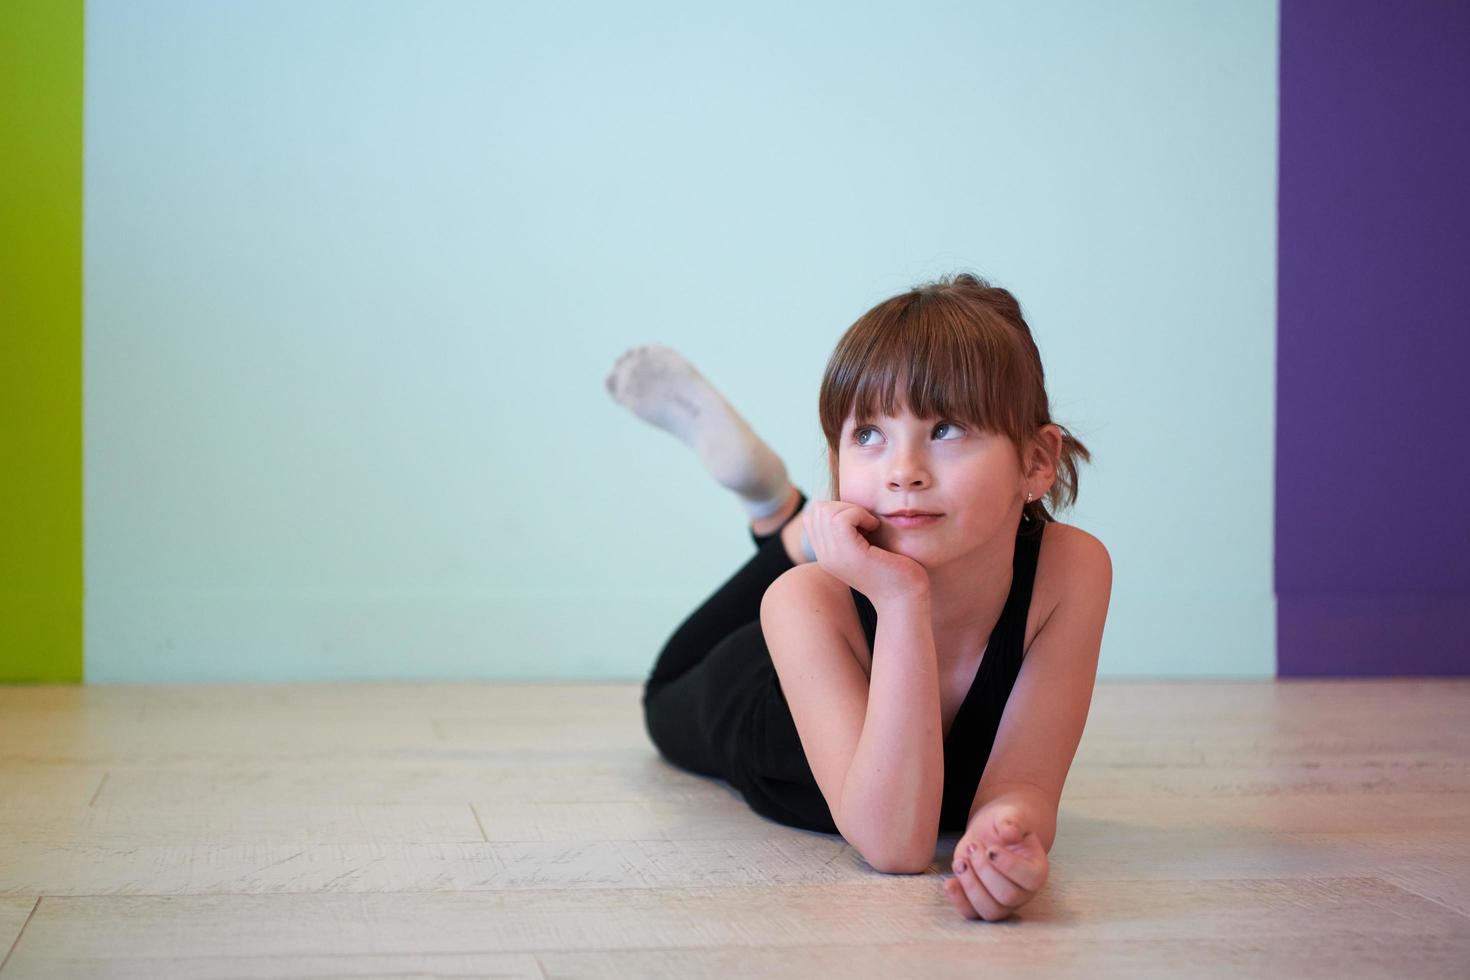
x=727 y=716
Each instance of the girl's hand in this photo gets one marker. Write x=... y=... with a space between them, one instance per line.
x=838 y=533
x=999 y=865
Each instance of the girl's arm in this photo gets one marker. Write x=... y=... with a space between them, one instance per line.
x=1001 y=861
x=895 y=783
x=880 y=772
x=1047 y=708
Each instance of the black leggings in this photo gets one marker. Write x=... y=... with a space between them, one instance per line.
x=714 y=672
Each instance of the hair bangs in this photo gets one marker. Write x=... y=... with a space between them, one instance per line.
x=920 y=362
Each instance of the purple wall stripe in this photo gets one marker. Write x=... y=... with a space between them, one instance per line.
x=1373 y=339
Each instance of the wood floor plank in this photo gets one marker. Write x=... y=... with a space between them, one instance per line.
x=1088 y=819
x=725 y=817
x=1328 y=958
x=442 y=777
x=1399 y=813
x=1207 y=854
x=336 y=966
x=90 y=701
x=628 y=775
x=85 y=869
x=1234 y=958
x=1433 y=864
x=463 y=701
x=1445 y=881
x=624 y=732
x=1406 y=773
x=110 y=742
x=896 y=910
x=1236 y=749
x=1250 y=703
x=14 y=911
x=125 y=827
x=43 y=784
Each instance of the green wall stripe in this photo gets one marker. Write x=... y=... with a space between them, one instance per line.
x=41 y=67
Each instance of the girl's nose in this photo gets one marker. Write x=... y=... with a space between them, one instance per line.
x=906 y=476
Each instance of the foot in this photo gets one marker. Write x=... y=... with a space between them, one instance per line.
x=659 y=386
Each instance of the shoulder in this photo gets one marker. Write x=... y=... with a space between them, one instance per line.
x=1070 y=544
x=808 y=591
x=808 y=580
x=1072 y=567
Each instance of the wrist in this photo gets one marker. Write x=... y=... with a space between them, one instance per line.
x=1038 y=810
x=912 y=602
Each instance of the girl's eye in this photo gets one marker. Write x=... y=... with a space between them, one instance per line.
x=857 y=435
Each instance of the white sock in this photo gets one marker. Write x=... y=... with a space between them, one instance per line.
x=659 y=386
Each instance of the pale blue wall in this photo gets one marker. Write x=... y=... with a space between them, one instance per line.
x=355 y=273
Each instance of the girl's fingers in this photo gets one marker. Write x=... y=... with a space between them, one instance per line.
x=958 y=899
x=1005 y=891
x=1010 y=833
x=816 y=532
x=1002 y=887
x=858 y=519
x=1016 y=867
x=1001 y=829
x=976 y=892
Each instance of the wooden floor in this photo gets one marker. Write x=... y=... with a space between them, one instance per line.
x=1272 y=829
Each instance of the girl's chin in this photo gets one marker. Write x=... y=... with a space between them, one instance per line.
x=909 y=547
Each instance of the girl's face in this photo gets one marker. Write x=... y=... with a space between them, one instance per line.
x=970 y=479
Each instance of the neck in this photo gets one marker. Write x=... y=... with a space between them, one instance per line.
x=967 y=596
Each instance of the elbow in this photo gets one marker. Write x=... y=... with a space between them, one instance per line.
x=893 y=850
x=899 y=864
x=891 y=855
x=900 y=858
x=902 y=868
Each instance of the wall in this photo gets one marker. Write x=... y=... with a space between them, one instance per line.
x=41 y=341
x=355 y=273
x=1371 y=566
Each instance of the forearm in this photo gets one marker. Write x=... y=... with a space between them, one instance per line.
x=895 y=784
x=1039 y=807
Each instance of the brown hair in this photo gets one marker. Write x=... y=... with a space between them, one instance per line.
x=964 y=352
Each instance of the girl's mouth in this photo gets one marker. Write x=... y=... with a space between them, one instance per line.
x=912 y=520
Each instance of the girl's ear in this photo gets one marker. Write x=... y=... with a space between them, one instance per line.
x=1045 y=455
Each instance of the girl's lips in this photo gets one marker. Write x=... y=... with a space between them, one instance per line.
x=917 y=520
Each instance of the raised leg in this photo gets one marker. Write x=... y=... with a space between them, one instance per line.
x=735 y=604
x=661 y=387
x=658 y=385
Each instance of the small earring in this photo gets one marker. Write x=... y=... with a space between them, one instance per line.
x=1028 y=498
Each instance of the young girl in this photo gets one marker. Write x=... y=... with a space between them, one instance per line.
x=916 y=655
